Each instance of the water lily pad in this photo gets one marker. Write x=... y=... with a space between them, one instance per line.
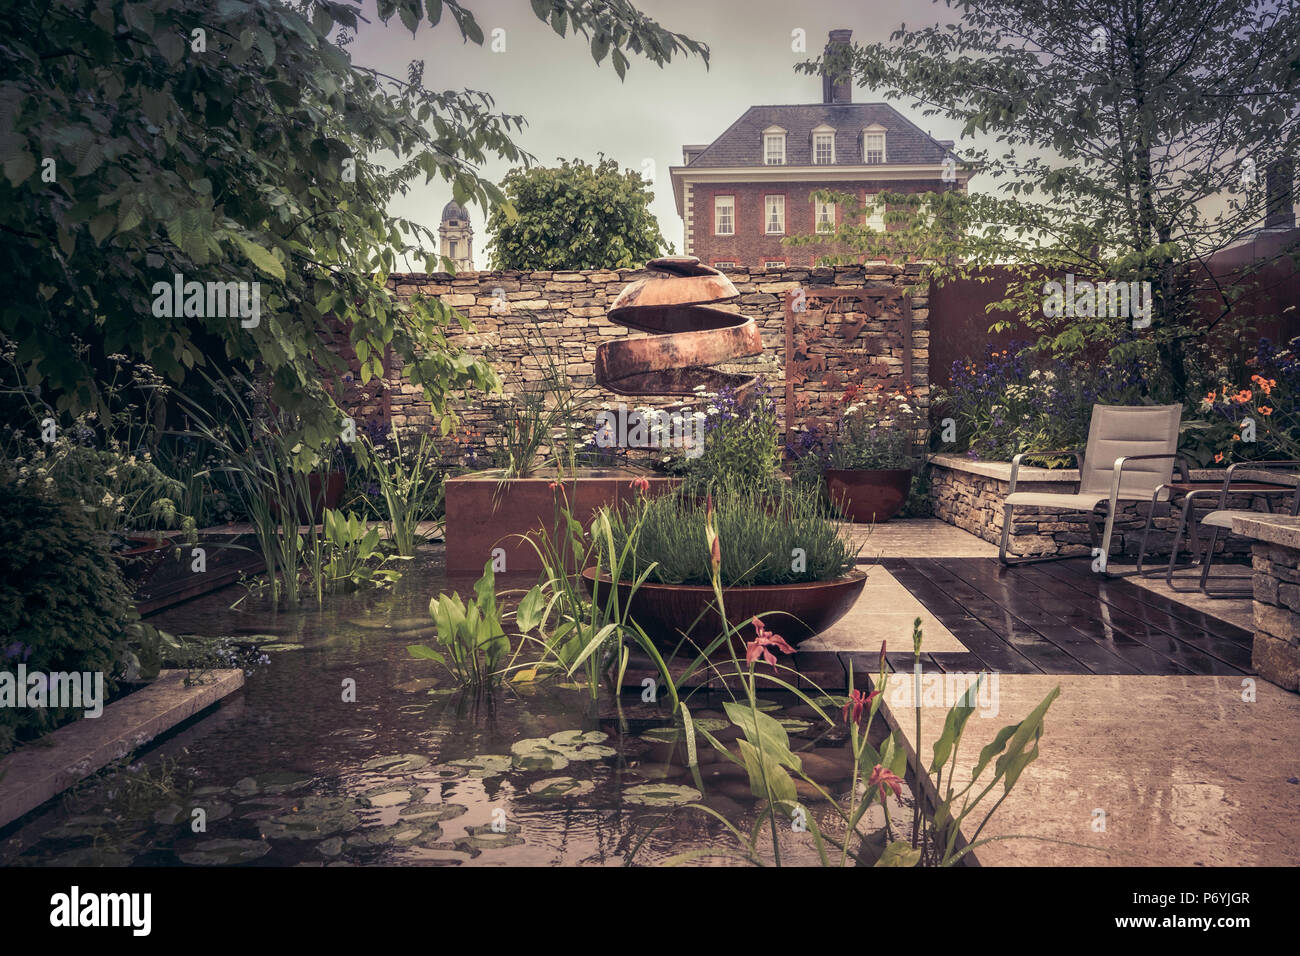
x=445 y=772
x=309 y=825
x=254 y=640
x=484 y=765
x=580 y=745
x=538 y=753
x=559 y=788
x=92 y=856
x=569 y=738
x=173 y=814
x=829 y=703
x=433 y=812
x=668 y=735
x=225 y=852
x=271 y=781
x=279 y=647
x=485 y=838
x=794 y=726
x=83 y=825
x=397 y=763
x=660 y=794
x=394 y=796
x=354 y=733
x=331 y=847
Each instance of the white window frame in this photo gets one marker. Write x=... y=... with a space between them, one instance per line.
x=773 y=135
x=774 y=264
x=724 y=264
x=868 y=134
x=718 y=206
x=827 y=134
x=768 y=208
x=875 y=219
x=818 y=208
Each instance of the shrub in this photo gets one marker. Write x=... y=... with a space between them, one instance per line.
x=741 y=444
x=1015 y=401
x=63 y=603
x=759 y=532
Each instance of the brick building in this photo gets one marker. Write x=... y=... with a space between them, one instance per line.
x=740 y=195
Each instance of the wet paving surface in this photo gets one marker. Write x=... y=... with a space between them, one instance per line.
x=293 y=771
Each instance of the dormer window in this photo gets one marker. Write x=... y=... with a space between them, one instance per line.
x=873 y=145
x=774 y=146
x=823 y=146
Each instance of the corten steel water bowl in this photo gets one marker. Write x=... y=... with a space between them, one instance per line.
x=795 y=611
x=869 y=495
x=677 y=305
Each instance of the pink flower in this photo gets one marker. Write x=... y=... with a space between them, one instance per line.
x=640 y=483
x=858 y=703
x=763 y=639
x=553 y=485
x=882 y=778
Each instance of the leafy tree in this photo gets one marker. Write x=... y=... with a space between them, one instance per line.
x=234 y=140
x=574 y=216
x=1130 y=141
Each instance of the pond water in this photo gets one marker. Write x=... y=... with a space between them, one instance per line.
x=288 y=772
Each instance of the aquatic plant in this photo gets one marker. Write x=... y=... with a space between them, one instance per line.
x=408 y=480
x=354 y=558
x=472 y=644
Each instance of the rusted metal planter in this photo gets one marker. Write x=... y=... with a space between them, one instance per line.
x=486 y=512
x=795 y=611
x=869 y=495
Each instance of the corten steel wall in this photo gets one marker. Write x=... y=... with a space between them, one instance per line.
x=751 y=244
x=567 y=311
x=1268 y=304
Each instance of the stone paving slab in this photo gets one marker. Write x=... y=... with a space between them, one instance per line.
x=34 y=774
x=918 y=538
x=1186 y=771
x=884 y=612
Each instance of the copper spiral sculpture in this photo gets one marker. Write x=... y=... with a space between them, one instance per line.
x=688 y=333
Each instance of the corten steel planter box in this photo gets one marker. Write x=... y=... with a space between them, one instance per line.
x=795 y=611
x=485 y=512
x=869 y=495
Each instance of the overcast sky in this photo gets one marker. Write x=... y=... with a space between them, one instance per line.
x=576 y=109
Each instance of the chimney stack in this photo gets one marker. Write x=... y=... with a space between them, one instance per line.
x=837 y=87
x=1280 y=196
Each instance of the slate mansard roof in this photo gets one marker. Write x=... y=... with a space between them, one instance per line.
x=742 y=143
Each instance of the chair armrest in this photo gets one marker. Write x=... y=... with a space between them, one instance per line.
x=1253 y=466
x=1119 y=472
x=1015 y=462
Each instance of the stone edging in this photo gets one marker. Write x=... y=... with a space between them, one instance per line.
x=74 y=751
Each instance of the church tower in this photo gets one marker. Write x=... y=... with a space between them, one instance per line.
x=457 y=236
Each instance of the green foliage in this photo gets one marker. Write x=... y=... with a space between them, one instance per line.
x=575 y=216
x=63 y=603
x=354 y=558
x=265 y=156
x=760 y=533
x=410 y=484
x=1124 y=143
x=472 y=646
x=741 y=444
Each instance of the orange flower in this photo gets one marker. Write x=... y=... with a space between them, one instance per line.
x=1218 y=458
x=1236 y=438
x=1212 y=396
x=1265 y=410
x=1243 y=396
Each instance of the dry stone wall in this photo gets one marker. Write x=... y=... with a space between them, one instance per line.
x=520 y=317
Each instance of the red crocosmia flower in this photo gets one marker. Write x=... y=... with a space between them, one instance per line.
x=882 y=778
x=763 y=639
x=640 y=483
x=553 y=485
x=858 y=704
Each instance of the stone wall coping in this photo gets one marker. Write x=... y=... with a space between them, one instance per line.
x=1002 y=470
x=1273 y=529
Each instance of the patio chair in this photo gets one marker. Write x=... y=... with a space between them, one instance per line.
x=1131 y=452
x=1221 y=519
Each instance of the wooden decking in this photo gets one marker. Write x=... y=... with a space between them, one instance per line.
x=1061 y=618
